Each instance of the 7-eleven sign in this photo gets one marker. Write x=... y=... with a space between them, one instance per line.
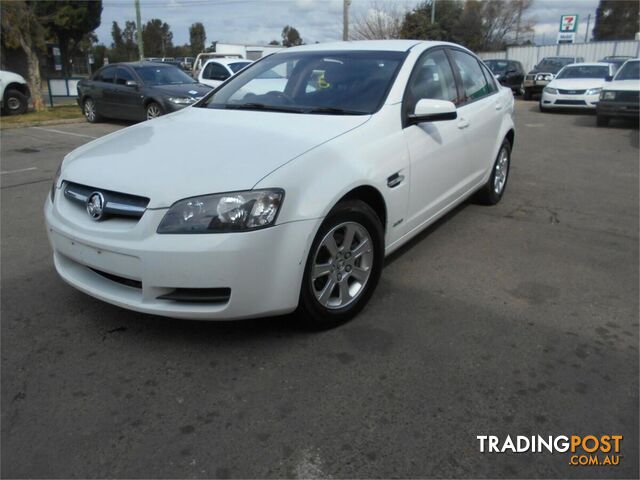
x=569 y=23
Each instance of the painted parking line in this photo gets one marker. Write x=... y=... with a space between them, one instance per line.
x=63 y=132
x=7 y=172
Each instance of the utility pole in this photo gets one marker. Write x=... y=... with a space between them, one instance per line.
x=345 y=19
x=586 y=34
x=518 y=23
x=433 y=11
x=139 y=30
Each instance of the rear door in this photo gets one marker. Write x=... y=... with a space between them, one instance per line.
x=480 y=112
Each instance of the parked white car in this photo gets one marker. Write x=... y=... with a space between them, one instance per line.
x=576 y=86
x=296 y=195
x=216 y=71
x=620 y=96
x=14 y=93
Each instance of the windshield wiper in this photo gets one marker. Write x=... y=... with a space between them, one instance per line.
x=334 y=111
x=262 y=106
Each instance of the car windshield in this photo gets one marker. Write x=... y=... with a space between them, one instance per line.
x=237 y=66
x=584 y=71
x=553 y=65
x=629 y=71
x=338 y=83
x=162 y=75
x=497 y=66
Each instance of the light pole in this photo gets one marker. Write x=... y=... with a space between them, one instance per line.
x=139 y=30
x=433 y=11
x=345 y=19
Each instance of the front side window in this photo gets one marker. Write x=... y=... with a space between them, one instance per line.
x=162 y=75
x=340 y=82
x=432 y=78
x=473 y=82
x=215 y=71
x=629 y=71
x=123 y=76
x=583 y=71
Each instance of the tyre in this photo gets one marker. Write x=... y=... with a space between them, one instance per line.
x=343 y=267
x=15 y=102
x=492 y=192
x=602 y=121
x=527 y=94
x=90 y=111
x=153 y=110
x=542 y=108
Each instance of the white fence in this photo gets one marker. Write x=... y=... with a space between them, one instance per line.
x=592 y=52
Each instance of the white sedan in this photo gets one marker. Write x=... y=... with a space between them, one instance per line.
x=296 y=196
x=217 y=70
x=576 y=86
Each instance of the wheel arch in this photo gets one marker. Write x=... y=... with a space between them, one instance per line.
x=511 y=136
x=21 y=87
x=372 y=197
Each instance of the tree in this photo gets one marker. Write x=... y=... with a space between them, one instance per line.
x=118 y=42
x=129 y=37
x=290 y=37
x=157 y=38
x=502 y=19
x=382 y=20
x=21 y=29
x=69 y=21
x=417 y=23
x=274 y=42
x=197 y=38
x=616 y=20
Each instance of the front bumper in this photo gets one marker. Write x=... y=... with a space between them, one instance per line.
x=618 y=109
x=263 y=269
x=588 y=102
x=535 y=86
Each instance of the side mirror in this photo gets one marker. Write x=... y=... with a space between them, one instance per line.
x=131 y=83
x=608 y=78
x=430 y=110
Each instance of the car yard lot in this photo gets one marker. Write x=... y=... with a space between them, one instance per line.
x=519 y=319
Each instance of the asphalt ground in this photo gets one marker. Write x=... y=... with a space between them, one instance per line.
x=519 y=319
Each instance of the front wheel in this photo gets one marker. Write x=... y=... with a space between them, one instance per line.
x=602 y=121
x=542 y=108
x=15 y=102
x=153 y=110
x=89 y=110
x=493 y=190
x=527 y=94
x=344 y=265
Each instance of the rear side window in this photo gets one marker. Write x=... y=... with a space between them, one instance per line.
x=490 y=79
x=215 y=71
x=474 y=84
x=107 y=75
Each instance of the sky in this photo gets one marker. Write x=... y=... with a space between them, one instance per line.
x=260 y=21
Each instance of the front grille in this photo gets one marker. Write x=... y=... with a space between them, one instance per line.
x=116 y=204
x=571 y=92
x=627 y=96
x=570 y=102
x=530 y=77
x=121 y=280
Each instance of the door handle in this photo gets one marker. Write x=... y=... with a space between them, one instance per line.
x=498 y=106
x=395 y=180
x=463 y=123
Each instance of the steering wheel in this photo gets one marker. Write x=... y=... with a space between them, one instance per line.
x=281 y=96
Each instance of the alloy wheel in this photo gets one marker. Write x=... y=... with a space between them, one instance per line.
x=342 y=265
x=501 y=172
x=153 y=111
x=13 y=103
x=89 y=110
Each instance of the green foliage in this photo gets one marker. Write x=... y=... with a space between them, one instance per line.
x=157 y=38
x=197 y=38
x=616 y=20
x=290 y=37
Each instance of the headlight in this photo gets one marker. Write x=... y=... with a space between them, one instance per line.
x=593 y=91
x=224 y=212
x=182 y=100
x=607 y=95
x=551 y=91
x=54 y=186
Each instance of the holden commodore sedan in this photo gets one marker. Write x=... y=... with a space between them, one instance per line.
x=295 y=196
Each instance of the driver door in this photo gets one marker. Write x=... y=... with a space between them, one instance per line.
x=440 y=167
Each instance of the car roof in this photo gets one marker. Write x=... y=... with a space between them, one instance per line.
x=227 y=61
x=380 y=45
x=589 y=64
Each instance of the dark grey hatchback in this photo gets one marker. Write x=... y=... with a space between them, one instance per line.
x=137 y=91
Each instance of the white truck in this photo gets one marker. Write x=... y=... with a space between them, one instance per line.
x=14 y=93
